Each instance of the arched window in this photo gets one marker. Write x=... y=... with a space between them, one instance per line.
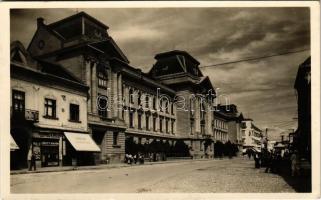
x=139 y=100
x=154 y=103
x=131 y=96
x=167 y=106
x=102 y=78
x=147 y=101
x=202 y=111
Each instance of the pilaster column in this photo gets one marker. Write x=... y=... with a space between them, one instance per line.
x=114 y=94
x=120 y=95
x=94 y=88
x=88 y=83
x=197 y=116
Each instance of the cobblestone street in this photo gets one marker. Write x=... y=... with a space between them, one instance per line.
x=235 y=175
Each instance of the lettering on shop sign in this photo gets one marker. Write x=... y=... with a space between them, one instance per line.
x=45 y=143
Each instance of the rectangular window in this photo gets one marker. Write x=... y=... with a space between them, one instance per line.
x=202 y=129
x=191 y=107
x=192 y=126
x=172 y=108
x=131 y=120
x=154 y=103
x=154 y=123
x=131 y=96
x=102 y=79
x=147 y=101
x=139 y=121
x=147 y=122
x=115 y=138
x=172 y=126
x=50 y=108
x=166 y=126
x=18 y=101
x=160 y=124
x=74 y=112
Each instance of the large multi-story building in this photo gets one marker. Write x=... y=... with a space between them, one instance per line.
x=170 y=103
x=48 y=112
x=251 y=135
x=194 y=94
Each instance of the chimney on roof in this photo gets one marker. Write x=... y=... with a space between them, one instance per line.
x=40 y=21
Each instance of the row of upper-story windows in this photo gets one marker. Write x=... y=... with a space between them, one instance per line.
x=50 y=107
x=150 y=101
x=220 y=135
x=202 y=109
x=219 y=124
x=102 y=78
x=169 y=123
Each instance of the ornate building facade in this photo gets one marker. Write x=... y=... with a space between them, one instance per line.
x=122 y=101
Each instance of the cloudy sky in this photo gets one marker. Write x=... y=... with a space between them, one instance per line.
x=262 y=89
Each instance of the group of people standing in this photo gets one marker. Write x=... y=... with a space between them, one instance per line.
x=276 y=161
x=136 y=158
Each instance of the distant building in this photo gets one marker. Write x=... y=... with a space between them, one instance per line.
x=220 y=127
x=234 y=121
x=302 y=136
x=251 y=135
x=47 y=104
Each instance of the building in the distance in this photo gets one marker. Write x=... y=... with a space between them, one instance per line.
x=234 y=123
x=48 y=113
x=220 y=127
x=251 y=135
x=302 y=136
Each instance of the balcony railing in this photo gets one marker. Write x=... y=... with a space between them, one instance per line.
x=27 y=114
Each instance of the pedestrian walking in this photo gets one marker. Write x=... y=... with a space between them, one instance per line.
x=257 y=160
x=29 y=159
x=33 y=162
x=249 y=153
x=268 y=162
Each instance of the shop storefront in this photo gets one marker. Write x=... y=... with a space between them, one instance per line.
x=63 y=148
x=48 y=148
x=81 y=149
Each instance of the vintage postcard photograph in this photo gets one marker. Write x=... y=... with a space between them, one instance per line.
x=177 y=99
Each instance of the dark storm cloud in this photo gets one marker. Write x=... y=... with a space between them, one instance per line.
x=263 y=88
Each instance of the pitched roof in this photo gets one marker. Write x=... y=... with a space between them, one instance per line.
x=57 y=70
x=80 y=14
x=176 y=52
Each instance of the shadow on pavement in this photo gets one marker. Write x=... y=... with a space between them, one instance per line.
x=300 y=183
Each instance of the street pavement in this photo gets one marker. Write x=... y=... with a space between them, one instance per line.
x=210 y=176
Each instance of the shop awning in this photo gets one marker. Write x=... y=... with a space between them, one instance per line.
x=82 y=142
x=13 y=144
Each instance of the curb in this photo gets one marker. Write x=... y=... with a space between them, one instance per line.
x=104 y=167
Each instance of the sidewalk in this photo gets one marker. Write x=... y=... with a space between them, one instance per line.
x=102 y=166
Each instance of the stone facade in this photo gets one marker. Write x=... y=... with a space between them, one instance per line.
x=252 y=136
x=82 y=45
